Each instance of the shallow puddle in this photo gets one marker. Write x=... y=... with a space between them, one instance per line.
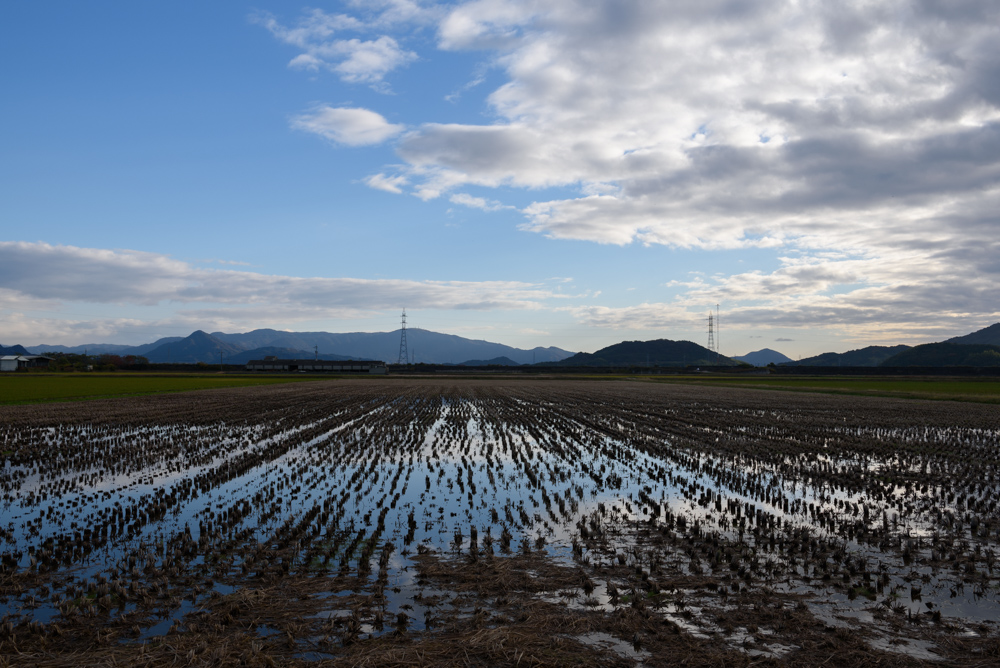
x=153 y=515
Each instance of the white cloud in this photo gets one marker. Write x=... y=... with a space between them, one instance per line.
x=870 y=128
x=477 y=202
x=355 y=60
x=367 y=61
x=21 y=315
x=710 y=124
x=38 y=271
x=314 y=27
x=484 y=24
x=890 y=299
x=350 y=126
x=305 y=61
x=389 y=13
x=390 y=184
x=645 y=316
x=455 y=95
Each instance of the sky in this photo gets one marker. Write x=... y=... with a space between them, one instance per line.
x=568 y=173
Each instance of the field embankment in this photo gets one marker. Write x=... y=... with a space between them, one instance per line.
x=949 y=389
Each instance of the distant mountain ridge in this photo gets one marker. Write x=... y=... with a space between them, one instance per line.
x=198 y=347
x=104 y=348
x=437 y=348
x=423 y=346
x=988 y=335
x=947 y=354
x=763 y=357
x=87 y=348
x=978 y=349
x=659 y=352
x=870 y=356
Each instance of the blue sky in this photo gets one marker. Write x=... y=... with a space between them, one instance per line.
x=561 y=173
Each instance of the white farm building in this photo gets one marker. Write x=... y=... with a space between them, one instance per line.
x=15 y=362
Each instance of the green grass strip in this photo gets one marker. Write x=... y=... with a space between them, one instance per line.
x=32 y=388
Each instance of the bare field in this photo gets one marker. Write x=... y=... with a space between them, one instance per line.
x=499 y=522
x=984 y=390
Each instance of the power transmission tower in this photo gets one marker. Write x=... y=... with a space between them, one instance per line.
x=404 y=356
x=711 y=331
x=718 y=336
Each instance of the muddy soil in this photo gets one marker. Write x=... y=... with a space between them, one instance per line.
x=500 y=522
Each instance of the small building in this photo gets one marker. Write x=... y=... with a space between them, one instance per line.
x=17 y=362
x=316 y=366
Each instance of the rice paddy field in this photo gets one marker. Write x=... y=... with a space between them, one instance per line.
x=499 y=522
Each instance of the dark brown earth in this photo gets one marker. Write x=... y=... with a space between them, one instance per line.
x=704 y=581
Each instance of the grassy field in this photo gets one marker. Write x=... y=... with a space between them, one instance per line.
x=19 y=388
x=955 y=389
x=41 y=388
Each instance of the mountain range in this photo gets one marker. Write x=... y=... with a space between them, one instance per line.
x=422 y=346
x=763 y=357
x=947 y=353
x=980 y=348
x=870 y=356
x=989 y=336
x=103 y=348
x=661 y=352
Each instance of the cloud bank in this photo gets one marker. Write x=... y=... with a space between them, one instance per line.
x=861 y=140
x=38 y=271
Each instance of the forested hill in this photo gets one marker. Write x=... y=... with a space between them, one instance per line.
x=660 y=352
x=763 y=357
x=870 y=356
x=989 y=335
x=947 y=354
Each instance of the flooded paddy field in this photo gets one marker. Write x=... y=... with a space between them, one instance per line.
x=499 y=522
